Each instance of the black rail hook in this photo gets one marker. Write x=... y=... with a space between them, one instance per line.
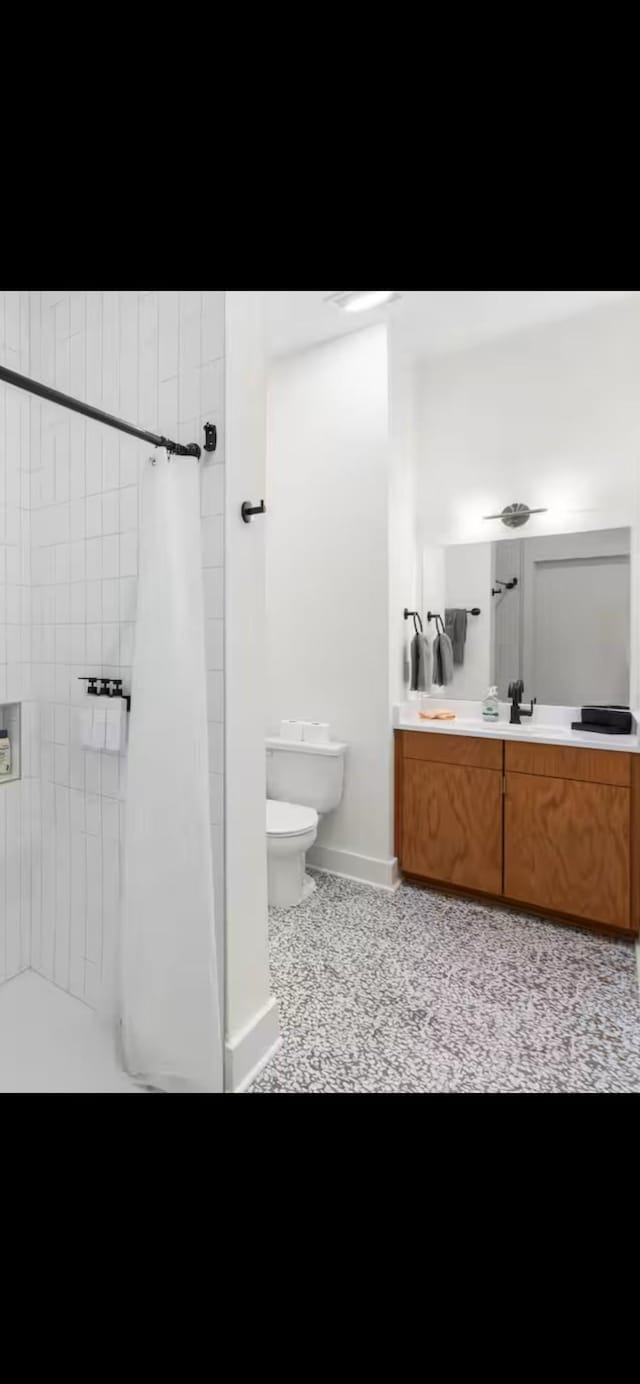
x=413 y=614
x=248 y=509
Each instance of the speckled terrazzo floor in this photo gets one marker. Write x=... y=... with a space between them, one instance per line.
x=418 y=991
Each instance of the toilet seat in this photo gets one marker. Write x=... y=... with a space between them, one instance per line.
x=289 y=819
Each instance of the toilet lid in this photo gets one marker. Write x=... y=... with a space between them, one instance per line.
x=289 y=819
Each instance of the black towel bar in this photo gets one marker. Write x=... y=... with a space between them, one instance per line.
x=432 y=616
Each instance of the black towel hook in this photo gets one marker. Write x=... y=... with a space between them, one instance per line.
x=415 y=616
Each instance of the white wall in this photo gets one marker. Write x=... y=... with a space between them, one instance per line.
x=156 y=359
x=328 y=575
x=15 y=649
x=403 y=567
x=549 y=416
x=468 y=584
x=252 y=1016
x=461 y=576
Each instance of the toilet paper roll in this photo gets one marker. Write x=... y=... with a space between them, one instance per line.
x=316 y=732
x=291 y=730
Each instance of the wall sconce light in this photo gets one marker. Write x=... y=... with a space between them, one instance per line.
x=514 y=516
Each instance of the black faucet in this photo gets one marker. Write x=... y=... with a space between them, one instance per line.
x=516 y=690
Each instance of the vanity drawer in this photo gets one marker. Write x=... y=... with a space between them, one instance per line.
x=562 y=761
x=440 y=748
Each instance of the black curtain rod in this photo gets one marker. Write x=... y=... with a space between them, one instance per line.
x=190 y=449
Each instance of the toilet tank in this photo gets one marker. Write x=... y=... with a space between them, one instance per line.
x=311 y=775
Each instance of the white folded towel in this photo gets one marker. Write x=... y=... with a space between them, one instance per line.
x=99 y=727
x=86 y=728
x=116 y=713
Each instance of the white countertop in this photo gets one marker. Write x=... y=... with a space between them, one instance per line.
x=549 y=725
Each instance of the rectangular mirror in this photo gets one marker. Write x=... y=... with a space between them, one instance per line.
x=567 y=623
x=555 y=612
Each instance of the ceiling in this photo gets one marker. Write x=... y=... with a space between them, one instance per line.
x=425 y=323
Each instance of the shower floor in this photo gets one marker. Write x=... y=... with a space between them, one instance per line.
x=51 y=1042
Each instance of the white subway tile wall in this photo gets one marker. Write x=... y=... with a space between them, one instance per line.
x=157 y=360
x=15 y=650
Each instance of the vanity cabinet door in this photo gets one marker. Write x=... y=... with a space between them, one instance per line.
x=567 y=846
x=452 y=824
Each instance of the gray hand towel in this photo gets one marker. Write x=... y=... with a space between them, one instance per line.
x=414 y=658
x=425 y=664
x=442 y=660
x=455 y=623
x=420 y=664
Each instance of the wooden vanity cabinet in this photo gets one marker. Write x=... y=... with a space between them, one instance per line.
x=548 y=827
x=567 y=831
x=449 y=809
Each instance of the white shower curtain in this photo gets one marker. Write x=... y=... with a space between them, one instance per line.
x=171 y=1033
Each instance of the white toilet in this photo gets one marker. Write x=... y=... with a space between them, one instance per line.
x=304 y=782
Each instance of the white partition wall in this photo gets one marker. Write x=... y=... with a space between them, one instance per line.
x=17 y=796
x=328 y=470
x=252 y=1017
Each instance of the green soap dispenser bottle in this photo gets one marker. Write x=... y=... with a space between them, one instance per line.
x=490 y=705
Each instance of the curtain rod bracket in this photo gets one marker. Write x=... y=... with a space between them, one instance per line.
x=178 y=449
x=210 y=437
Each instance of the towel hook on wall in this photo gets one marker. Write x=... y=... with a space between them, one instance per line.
x=413 y=614
x=247 y=509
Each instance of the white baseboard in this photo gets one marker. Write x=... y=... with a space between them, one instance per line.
x=365 y=869
x=248 y=1051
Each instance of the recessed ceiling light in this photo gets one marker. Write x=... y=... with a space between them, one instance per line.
x=361 y=302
